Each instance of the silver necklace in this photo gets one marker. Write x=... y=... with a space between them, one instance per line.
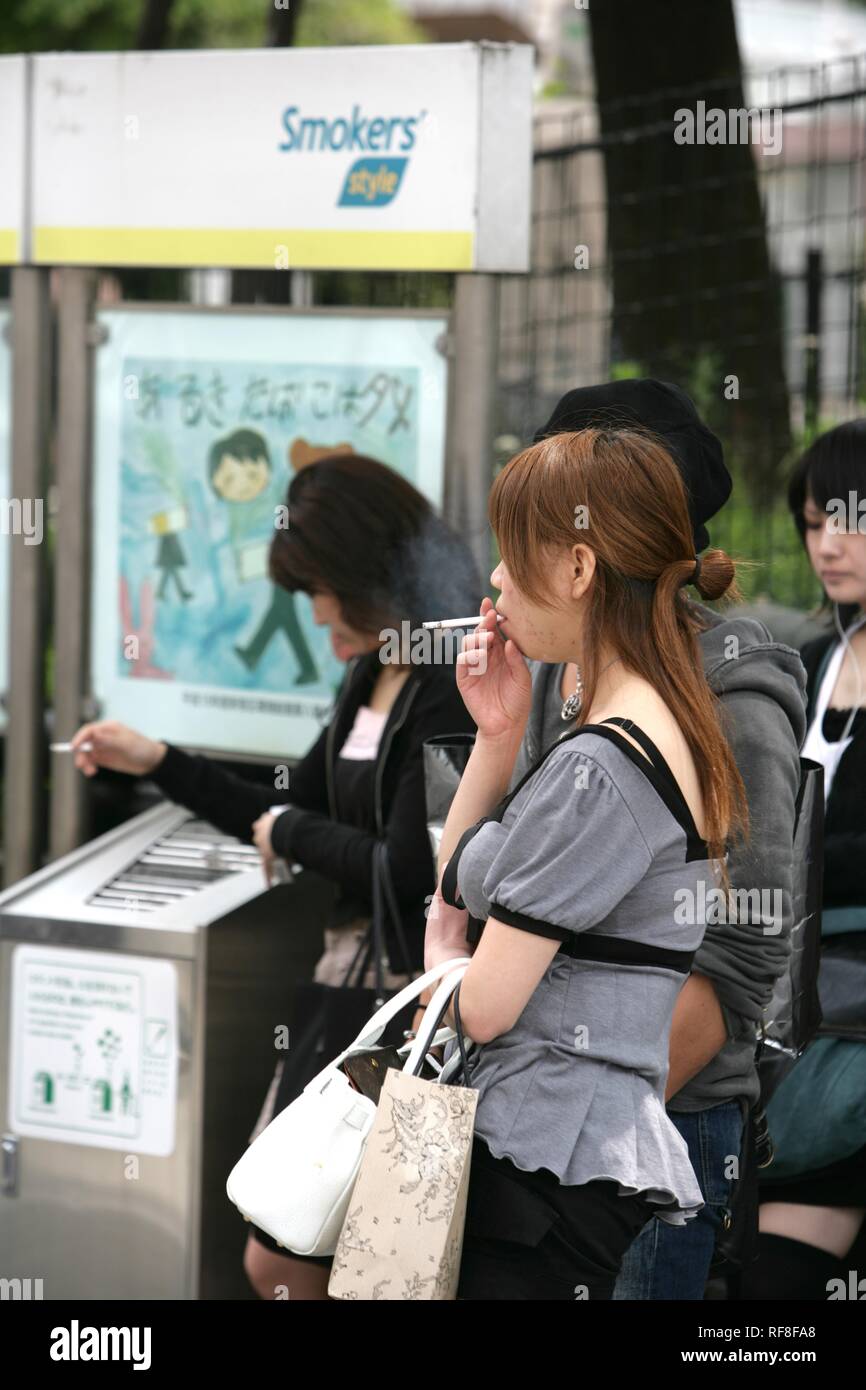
x=572 y=706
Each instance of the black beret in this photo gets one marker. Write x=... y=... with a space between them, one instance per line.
x=669 y=412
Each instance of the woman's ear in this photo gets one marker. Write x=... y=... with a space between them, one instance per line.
x=583 y=569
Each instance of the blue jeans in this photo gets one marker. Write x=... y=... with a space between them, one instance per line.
x=672 y=1262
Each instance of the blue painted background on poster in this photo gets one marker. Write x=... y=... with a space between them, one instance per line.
x=208 y=452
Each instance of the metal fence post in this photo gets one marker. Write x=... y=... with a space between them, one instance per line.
x=24 y=789
x=472 y=401
x=72 y=552
x=812 y=382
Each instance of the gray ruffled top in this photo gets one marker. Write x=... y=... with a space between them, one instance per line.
x=592 y=843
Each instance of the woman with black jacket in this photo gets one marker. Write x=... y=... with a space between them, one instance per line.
x=813 y=1194
x=377 y=562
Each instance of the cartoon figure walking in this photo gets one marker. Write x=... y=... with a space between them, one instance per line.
x=239 y=468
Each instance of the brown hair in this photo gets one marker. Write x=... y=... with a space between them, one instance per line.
x=636 y=521
x=362 y=532
x=348 y=516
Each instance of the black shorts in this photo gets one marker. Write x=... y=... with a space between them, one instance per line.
x=528 y=1236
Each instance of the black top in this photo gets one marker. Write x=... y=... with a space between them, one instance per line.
x=332 y=833
x=845 y=815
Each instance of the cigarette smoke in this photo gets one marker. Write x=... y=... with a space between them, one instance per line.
x=433 y=575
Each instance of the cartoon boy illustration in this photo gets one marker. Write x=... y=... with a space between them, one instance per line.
x=239 y=469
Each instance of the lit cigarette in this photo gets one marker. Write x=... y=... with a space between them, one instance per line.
x=462 y=622
x=68 y=748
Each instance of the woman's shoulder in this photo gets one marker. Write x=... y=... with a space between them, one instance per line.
x=604 y=747
x=620 y=785
x=585 y=760
x=813 y=654
x=812 y=651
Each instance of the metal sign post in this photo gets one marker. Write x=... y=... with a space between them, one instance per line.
x=24 y=790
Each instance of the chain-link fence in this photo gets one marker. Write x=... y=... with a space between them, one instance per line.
x=741 y=278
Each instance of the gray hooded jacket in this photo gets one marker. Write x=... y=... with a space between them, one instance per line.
x=761 y=685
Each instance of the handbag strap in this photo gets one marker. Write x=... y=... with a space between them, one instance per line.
x=450 y=891
x=374 y=937
x=433 y=1015
x=376 y=1025
x=461 y=1040
x=378 y=924
x=364 y=947
x=383 y=865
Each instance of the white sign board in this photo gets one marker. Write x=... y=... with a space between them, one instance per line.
x=13 y=107
x=191 y=641
x=94 y=1049
x=381 y=158
x=6 y=540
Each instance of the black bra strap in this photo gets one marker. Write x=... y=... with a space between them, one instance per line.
x=659 y=766
x=640 y=737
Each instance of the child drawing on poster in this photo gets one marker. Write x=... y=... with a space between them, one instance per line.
x=240 y=473
x=302 y=453
x=206 y=454
x=171 y=521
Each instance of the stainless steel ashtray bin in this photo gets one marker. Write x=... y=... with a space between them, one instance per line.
x=142 y=979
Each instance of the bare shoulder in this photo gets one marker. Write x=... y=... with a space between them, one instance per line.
x=637 y=700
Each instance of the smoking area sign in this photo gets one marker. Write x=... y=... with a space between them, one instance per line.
x=93 y=1057
x=13 y=124
x=383 y=158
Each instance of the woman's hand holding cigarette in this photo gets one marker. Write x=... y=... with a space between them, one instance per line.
x=115 y=746
x=493 y=679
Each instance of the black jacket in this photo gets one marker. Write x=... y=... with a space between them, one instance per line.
x=845 y=815
x=311 y=832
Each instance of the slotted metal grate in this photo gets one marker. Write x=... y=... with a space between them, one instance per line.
x=175 y=867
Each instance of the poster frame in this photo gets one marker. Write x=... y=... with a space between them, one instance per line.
x=93 y=704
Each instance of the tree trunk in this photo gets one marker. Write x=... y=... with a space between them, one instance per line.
x=695 y=295
x=282 y=24
x=153 y=29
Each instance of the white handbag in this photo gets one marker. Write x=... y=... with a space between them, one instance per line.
x=296 y=1178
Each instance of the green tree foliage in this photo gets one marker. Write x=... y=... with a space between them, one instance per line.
x=325 y=23
x=33 y=26
x=28 y=26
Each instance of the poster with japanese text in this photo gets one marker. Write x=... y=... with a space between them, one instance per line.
x=202 y=418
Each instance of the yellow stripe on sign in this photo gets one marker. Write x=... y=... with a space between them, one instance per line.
x=8 y=246
x=282 y=249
